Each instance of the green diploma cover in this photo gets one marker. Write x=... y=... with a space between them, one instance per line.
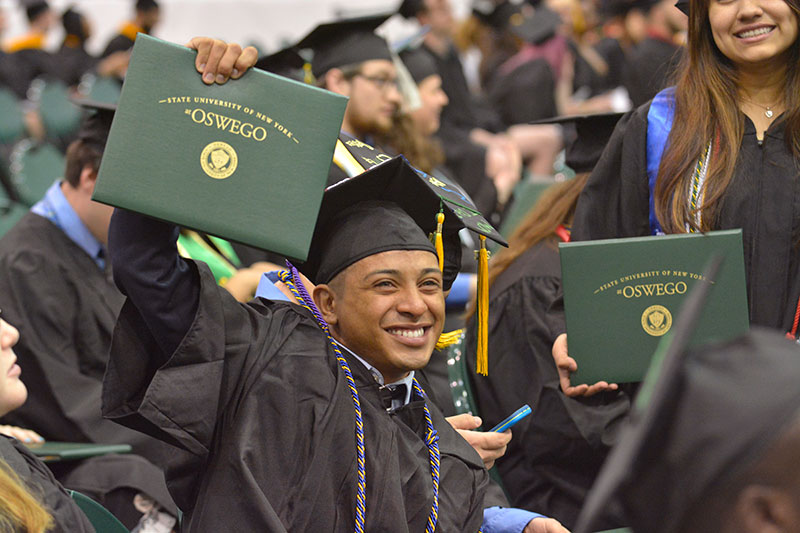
x=622 y=295
x=246 y=161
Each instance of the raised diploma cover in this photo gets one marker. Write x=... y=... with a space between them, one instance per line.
x=246 y=161
x=622 y=295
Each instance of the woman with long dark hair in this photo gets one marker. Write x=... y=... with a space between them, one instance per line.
x=719 y=151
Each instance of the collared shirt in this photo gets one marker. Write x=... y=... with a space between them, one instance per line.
x=55 y=208
x=495 y=519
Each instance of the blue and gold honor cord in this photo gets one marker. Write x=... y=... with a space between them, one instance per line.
x=291 y=280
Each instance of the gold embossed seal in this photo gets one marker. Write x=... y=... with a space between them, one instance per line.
x=656 y=320
x=219 y=160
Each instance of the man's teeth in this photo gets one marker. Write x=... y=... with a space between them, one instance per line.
x=411 y=333
x=754 y=33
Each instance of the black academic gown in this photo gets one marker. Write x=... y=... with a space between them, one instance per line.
x=556 y=453
x=65 y=309
x=649 y=68
x=11 y=75
x=67 y=517
x=118 y=43
x=763 y=199
x=31 y=63
x=511 y=92
x=70 y=63
x=255 y=394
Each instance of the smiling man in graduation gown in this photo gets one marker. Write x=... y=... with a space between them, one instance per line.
x=290 y=429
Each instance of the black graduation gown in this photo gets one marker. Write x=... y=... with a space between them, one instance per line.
x=255 y=394
x=10 y=75
x=763 y=199
x=463 y=111
x=510 y=93
x=611 y=51
x=649 y=68
x=70 y=63
x=556 y=453
x=119 y=43
x=31 y=63
x=65 y=309
x=67 y=517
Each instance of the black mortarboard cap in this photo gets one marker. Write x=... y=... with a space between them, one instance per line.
x=533 y=25
x=592 y=133
x=709 y=414
x=683 y=5
x=97 y=122
x=419 y=63
x=346 y=42
x=391 y=206
x=286 y=62
x=34 y=8
x=73 y=22
x=410 y=8
x=146 y=5
x=613 y=8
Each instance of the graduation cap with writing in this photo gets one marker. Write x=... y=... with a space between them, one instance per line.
x=393 y=206
x=592 y=133
x=97 y=122
x=346 y=42
x=531 y=24
x=703 y=416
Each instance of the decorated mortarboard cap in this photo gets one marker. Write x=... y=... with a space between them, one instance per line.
x=592 y=133
x=709 y=414
x=96 y=123
x=419 y=63
x=410 y=8
x=683 y=5
x=391 y=206
x=346 y=42
x=286 y=62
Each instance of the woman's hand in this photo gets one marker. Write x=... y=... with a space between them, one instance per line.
x=21 y=434
x=566 y=366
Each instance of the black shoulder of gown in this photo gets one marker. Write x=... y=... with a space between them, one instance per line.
x=68 y=518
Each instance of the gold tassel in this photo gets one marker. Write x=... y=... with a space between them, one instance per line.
x=482 y=363
x=438 y=240
x=448 y=339
x=308 y=77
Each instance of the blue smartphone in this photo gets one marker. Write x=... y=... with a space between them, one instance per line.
x=515 y=417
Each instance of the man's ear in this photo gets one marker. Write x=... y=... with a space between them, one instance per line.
x=335 y=81
x=764 y=509
x=325 y=299
x=88 y=178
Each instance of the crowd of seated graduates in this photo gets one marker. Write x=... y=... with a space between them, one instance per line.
x=477 y=108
